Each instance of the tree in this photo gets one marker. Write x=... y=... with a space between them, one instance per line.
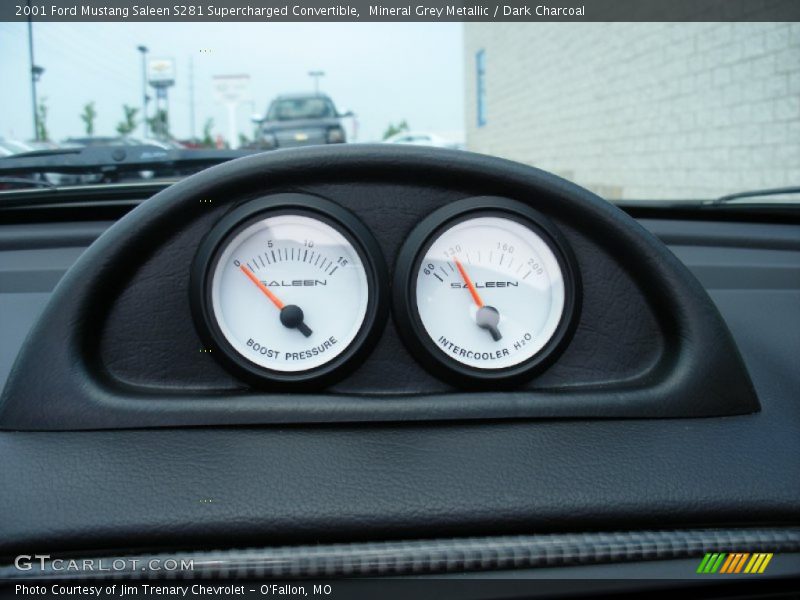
x=88 y=117
x=129 y=122
x=208 y=136
x=395 y=129
x=41 y=120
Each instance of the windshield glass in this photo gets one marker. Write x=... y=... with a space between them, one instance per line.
x=631 y=111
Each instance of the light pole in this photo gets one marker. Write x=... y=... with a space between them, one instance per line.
x=316 y=75
x=36 y=73
x=143 y=50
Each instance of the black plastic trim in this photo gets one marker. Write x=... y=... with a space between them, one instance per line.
x=700 y=374
x=431 y=556
x=113 y=201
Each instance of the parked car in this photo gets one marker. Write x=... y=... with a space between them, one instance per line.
x=300 y=120
x=9 y=147
x=166 y=144
x=42 y=145
x=122 y=140
x=419 y=138
x=14 y=147
x=96 y=140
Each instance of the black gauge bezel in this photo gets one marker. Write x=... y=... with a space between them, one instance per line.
x=241 y=217
x=406 y=312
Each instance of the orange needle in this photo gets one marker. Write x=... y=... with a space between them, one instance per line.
x=470 y=285
x=275 y=300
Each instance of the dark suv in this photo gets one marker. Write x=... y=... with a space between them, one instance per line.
x=300 y=120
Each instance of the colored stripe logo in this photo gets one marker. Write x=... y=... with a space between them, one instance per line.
x=734 y=562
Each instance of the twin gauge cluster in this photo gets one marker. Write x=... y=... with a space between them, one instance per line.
x=294 y=289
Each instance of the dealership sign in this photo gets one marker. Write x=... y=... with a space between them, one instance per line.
x=231 y=89
x=161 y=72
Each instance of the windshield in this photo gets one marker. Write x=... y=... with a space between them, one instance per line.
x=632 y=111
x=300 y=108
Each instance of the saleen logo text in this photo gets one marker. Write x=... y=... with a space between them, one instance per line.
x=296 y=283
x=486 y=284
x=43 y=562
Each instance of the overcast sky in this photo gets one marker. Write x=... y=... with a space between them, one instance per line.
x=383 y=72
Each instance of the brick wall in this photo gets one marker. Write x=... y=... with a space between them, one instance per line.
x=641 y=110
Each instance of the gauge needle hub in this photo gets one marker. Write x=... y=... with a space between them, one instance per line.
x=291 y=315
x=487 y=317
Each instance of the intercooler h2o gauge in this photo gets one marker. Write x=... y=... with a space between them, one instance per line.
x=486 y=290
x=289 y=289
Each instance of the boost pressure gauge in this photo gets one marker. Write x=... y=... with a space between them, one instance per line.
x=289 y=288
x=486 y=290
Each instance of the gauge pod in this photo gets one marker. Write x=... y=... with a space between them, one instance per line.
x=289 y=289
x=486 y=290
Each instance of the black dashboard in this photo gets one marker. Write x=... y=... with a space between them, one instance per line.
x=665 y=396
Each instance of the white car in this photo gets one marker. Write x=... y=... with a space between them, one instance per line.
x=419 y=138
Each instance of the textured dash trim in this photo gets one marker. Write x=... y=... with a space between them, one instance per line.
x=415 y=557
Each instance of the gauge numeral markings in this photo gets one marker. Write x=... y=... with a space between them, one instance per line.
x=486 y=317
x=287 y=255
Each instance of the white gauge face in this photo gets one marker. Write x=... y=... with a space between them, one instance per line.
x=490 y=292
x=289 y=293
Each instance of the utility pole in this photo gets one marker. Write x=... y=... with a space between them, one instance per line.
x=143 y=50
x=316 y=75
x=191 y=97
x=36 y=73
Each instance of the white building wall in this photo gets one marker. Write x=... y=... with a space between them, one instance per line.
x=641 y=110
